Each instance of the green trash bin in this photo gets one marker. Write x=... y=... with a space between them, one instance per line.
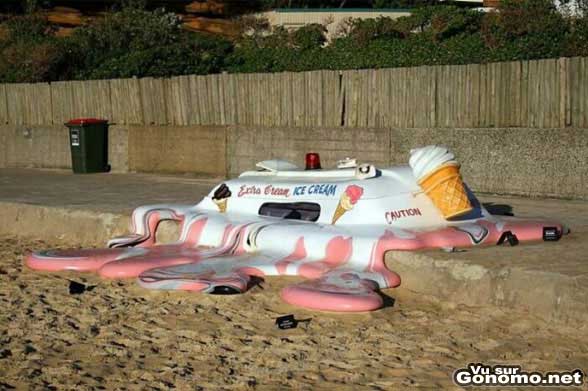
x=88 y=139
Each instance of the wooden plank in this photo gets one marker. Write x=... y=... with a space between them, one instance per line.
x=287 y=100
x=309 y=99
x=349 y=109
x=208 y=97
x=482 y=115
x=582 y=93
x=16 y=104
x=524 y=87
x=298 y=99
x=3 y=105
x=544 y=82
x=277 y=94
x=532 y=93
x=373 y=96
x=396 y=95
x=402 y=97
x=500 y=96
x=355 y=98
x=240 y=84
x=265 y=105
x=62 y=102
x=578 y=92
x=41 y=92
x=338 y=119
x=476 y=92
x=573 y=90
x=360 y=103
x=411 y=89
x=415 y=90
x=255 y=94
x=178 y=100
x=319 y=91
x=325 y=89
x=346 y=91
x=441 y=103
x=495 y=94
x=220 y=82
x=284 y=98
x=564 y=89
x=307 y=87
x=223 y=85
x=215 y=99
x=460 y=99
x=554 y=93
x=153 y=101
x=249 y=98
x=431 y=71
x=231 y=99
x=91 y=98
x=126 y=101
x=203 y=99
x=420 y=98
x=448 y=98
x=515 y=82
x=381 y=85
x=196 y=109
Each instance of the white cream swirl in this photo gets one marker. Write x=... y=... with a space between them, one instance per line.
x=425 y=160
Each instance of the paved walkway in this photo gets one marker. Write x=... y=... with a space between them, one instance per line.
x=550 y=279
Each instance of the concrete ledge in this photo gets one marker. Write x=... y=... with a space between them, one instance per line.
x=88 y=228
x=550 y=295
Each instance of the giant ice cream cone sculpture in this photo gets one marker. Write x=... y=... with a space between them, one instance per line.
x=347 y=201
x=437 y=173
x=221 y=197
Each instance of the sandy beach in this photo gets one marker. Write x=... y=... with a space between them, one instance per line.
x=118 y=336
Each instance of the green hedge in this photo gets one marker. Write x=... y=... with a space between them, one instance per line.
x=136 y=42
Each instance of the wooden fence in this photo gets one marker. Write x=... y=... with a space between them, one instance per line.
x=533 y=94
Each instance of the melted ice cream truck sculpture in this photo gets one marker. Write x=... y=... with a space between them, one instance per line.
x=332 y=227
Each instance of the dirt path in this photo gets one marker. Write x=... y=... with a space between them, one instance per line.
x=120 y=336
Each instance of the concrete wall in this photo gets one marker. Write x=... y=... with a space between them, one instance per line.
x=173 y=149
x=533 y=162
x=248 y=145
x=38 y=146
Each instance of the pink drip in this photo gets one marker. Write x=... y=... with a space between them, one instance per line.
x=298 y=254
x=338 y=252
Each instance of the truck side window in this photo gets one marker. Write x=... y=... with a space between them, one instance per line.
x=306 y=211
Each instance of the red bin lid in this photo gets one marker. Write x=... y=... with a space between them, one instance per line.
x=86 y=121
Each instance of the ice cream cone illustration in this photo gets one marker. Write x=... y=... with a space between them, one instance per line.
x=347 y=201
x=221 y=197
x=437 y=173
